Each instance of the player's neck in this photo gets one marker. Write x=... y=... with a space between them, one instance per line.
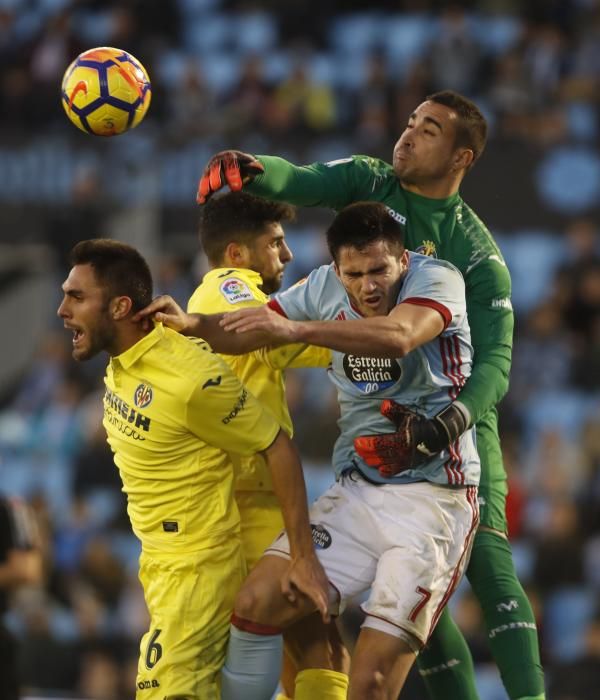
x=434 y=189
x=128 y=336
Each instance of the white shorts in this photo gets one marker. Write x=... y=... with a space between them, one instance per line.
x=408 y=543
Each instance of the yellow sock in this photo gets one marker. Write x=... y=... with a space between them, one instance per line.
x=319 y=683
x=281 y=696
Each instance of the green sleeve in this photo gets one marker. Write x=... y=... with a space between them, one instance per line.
x=334 y=184
x=491 y=320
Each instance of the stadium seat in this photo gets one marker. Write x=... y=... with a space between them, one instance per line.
x=566 y=614
x=497 y=34
x=91 y=28
x=356 y=33
x=52 y=7
x=126 y=547
x=310 y=251
x=255 y=32
x=350 y=70
x=193 y=8
x=221 y=70
x=203 y=34
x=568 y=179
x=523 y=554
x=27 y=25
x=322 y=68
x=277 y=65
x=582 y=122
x=171 y=67
x=489 y=683
x=532 y=257
x=560 y=409
x=406 y=39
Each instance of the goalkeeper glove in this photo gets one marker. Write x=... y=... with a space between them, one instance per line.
x=415 y=441
x=232 y=168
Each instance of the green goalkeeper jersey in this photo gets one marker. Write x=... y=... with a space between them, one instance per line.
x=443 y=228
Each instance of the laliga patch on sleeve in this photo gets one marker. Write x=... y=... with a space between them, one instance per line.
x=235 y=291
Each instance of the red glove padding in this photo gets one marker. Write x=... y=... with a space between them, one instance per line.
x=232 y=168
x=392 y=453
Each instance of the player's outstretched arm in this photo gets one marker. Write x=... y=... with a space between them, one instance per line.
x=305 y=574
x=401 y=331
x=164 y=309
x=274 y=326
x=332 y=184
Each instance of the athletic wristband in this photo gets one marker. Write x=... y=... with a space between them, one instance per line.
x=451 y=423
x=436 y=434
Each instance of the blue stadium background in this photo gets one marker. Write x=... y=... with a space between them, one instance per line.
x=307 y=80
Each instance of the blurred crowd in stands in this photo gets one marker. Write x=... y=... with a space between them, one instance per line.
x=305 y=80
x=302 y=78
x=272 y=69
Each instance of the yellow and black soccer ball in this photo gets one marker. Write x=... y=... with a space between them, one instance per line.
x=106 y=91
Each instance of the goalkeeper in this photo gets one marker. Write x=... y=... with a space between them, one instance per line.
x=442 y=140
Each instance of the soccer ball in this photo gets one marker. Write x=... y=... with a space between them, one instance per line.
x=106 y=91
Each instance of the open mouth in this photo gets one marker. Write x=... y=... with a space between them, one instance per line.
x=373 y=302
x=77 y=335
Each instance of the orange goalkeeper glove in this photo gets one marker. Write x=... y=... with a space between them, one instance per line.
x=232 y=168
x=415 y=441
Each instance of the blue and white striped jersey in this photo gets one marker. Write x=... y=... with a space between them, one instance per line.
x=426 y=380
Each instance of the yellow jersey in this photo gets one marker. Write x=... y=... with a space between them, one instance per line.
x=172 y=411
x=230 y=289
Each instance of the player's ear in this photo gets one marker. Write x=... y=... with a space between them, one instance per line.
x=120 y=307
x=236 y=254
x=463 y=157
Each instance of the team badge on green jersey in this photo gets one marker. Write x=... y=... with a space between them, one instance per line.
x=428 y=248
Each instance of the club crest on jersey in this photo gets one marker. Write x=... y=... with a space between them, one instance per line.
x=428 y=248
x=142 y=395
x=371 y=374
x=235 y=291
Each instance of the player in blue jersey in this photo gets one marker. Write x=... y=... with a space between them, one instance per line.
x=397 y=324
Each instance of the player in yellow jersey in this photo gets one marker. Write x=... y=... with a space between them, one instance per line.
x=244 y=241
x=172 y=411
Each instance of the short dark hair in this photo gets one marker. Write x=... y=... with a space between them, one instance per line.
x=237 y=217
x=118 y=267
x=471 y=129
x=362 y=223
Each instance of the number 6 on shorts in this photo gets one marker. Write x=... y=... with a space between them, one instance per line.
x=153 y=650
